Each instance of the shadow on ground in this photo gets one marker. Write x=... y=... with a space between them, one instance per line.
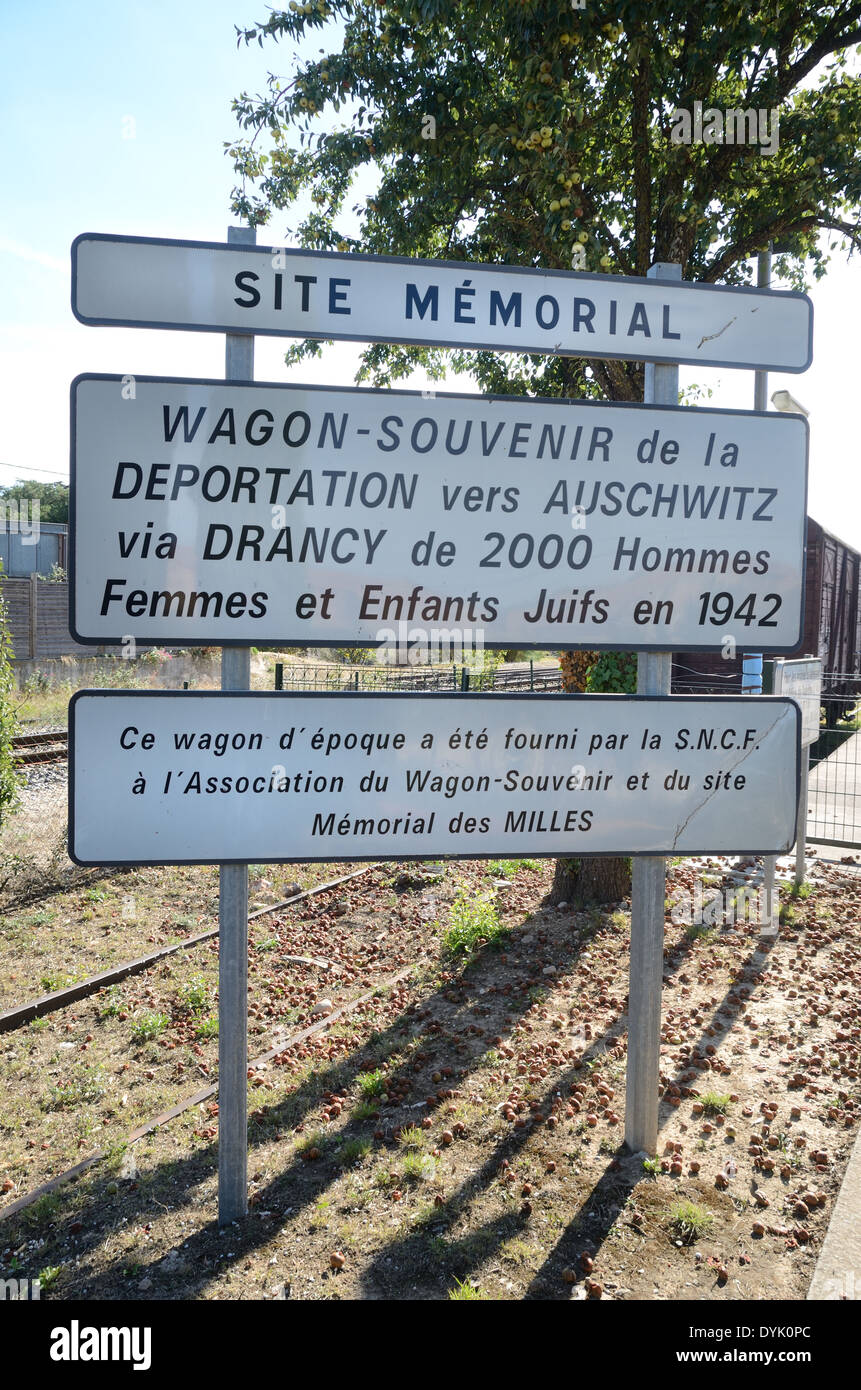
x=436 y=1250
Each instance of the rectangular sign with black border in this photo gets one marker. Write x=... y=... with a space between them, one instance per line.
x=221 y=287
x=213 y=513
x=801 y=680
x=175 y=777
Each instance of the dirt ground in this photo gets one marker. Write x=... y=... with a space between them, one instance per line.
x=457 y=1133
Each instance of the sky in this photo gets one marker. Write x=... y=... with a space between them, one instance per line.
x=115 y=118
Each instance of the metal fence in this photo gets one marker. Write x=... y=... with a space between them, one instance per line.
x=834 y=797
x=443 y=679
x=834 y=789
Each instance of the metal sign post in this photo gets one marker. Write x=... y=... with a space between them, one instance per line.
x=649 y=875
x=760 y=402
x=801 y=828
x=801 y=680
x=233 y=915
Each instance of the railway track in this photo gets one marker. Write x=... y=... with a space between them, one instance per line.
x=49 y=747
x=61 y=998
x=52 y=746
x=207 y=1093
x=81 y=989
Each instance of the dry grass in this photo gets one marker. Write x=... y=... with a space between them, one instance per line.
x=33 y=853
x=497 y=1085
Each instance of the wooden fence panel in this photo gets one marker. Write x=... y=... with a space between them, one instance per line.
x=16 y=592
x=38 y=613
x=53 y=637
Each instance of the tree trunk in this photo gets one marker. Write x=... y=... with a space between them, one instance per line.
x=599 y=880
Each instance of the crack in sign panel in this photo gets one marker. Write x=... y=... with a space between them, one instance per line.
x=785 y=713
x=711 y=336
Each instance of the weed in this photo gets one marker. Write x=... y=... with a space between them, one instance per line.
x=412 y=1138
x=193 y=996
x=800 y=890
x=149 y=1026
x=372 y=1083
x=51 y=983
x=39 y=919
x=417 y=1167
x=353 y=1151
x=364 y=1111
x=43 y=1211
x=690 y=1221
x=115 y=1155
x=207 y=1027
x=315 y=1140
x=698 y=931
x=358 y=1197
x=83 y=1084
x=113 y=1003
x=652 y=1166
x=715 y=1102
x=472 y=924
x=48 y=1276
x=466 y=1291
x=508 y=868
x=515 y=1251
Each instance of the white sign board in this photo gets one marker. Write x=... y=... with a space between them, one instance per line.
x=173 y=777
x=213 y=513
x=801 y=680
x=230 y=288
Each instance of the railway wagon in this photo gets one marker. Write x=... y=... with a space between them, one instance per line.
x=832 y=625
